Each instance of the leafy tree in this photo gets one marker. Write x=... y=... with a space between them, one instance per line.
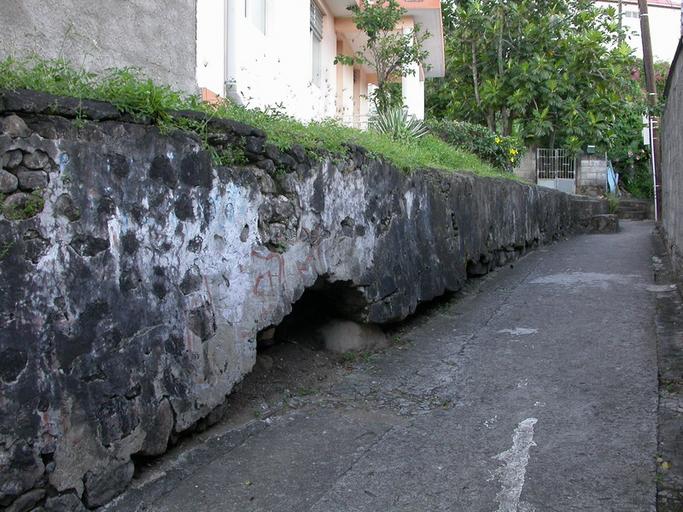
x=388 y=50
x=661 y=74
x=553 y=71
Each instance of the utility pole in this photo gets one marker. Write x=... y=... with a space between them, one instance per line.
x=648 y=63
x=651 y=84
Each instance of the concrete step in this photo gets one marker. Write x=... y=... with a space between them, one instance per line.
x=633 y=209
x=633 y=215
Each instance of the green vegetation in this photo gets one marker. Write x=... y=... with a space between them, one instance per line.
x=550 y=73
x=145 y=100
x=662 y=68
x=392 y=53
x=122 y=87
x=627 y=151
x=331 y=137
x=351 y=357
x=5 y=248
x=303 y=391
x=501 y=152
x=32 y=205
x=556 y=73
x=398 y=124
x=400 y=342
x=612 y=203
x=637 y=179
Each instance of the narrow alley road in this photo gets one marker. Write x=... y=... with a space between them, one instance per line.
x=534 y=391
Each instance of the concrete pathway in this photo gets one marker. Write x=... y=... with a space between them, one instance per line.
x=537 y=391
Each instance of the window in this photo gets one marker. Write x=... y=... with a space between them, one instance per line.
x=316 y=43
x=255 y=11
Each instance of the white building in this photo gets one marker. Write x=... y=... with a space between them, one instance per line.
x=665 y=25
x=280 y=54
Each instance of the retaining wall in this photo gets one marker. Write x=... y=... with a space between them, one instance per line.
x=672 y=163
x=135 y=276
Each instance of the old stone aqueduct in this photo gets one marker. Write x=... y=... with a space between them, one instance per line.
x=138 y=283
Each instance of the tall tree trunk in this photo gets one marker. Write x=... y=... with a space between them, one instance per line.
x=505 y=121
x=504 y=112
x=501 y=21
x=491 y=119
x=475 y=73
x=507 y=127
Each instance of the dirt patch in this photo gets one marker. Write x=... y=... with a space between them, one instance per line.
x=284 y=374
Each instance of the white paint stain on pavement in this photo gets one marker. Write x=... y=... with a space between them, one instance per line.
x=661 y=288
x=489 y=423
x=518 y=331
x=511 y=475
x=591 y=279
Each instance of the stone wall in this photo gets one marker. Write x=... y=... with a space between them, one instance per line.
x=135 y=276
x=526 y=169
x=156 y=36
x=672 y=163
x=591 y=174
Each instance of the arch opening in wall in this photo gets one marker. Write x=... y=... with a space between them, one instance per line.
x=324 y=304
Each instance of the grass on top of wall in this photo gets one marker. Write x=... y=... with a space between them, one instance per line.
x=426 y=152
x=131 y=93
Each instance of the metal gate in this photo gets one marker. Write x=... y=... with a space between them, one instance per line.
x=556 y=168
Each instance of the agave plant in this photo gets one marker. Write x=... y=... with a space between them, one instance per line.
x=398 y=124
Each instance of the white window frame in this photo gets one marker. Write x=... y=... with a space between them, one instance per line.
x=256 y=11
x=316 y=27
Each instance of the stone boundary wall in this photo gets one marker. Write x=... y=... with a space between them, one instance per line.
x=672 y=163
x=591 y=174
x=526 y=168
x=135 y=275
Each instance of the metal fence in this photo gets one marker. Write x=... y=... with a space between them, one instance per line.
x=556 y=168
x=555 y=164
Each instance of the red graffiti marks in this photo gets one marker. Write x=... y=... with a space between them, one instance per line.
x=271 y=268
x=311 y=263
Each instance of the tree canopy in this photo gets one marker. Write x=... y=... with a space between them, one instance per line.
x=554 y=72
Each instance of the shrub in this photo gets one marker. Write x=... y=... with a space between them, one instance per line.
x=501 y=152
x=612 y=203
x=637 y=180
x=398 y=124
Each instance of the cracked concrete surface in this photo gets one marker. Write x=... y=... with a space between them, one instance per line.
x=534 y=390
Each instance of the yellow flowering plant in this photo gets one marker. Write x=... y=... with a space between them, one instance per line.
x=500 y=151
